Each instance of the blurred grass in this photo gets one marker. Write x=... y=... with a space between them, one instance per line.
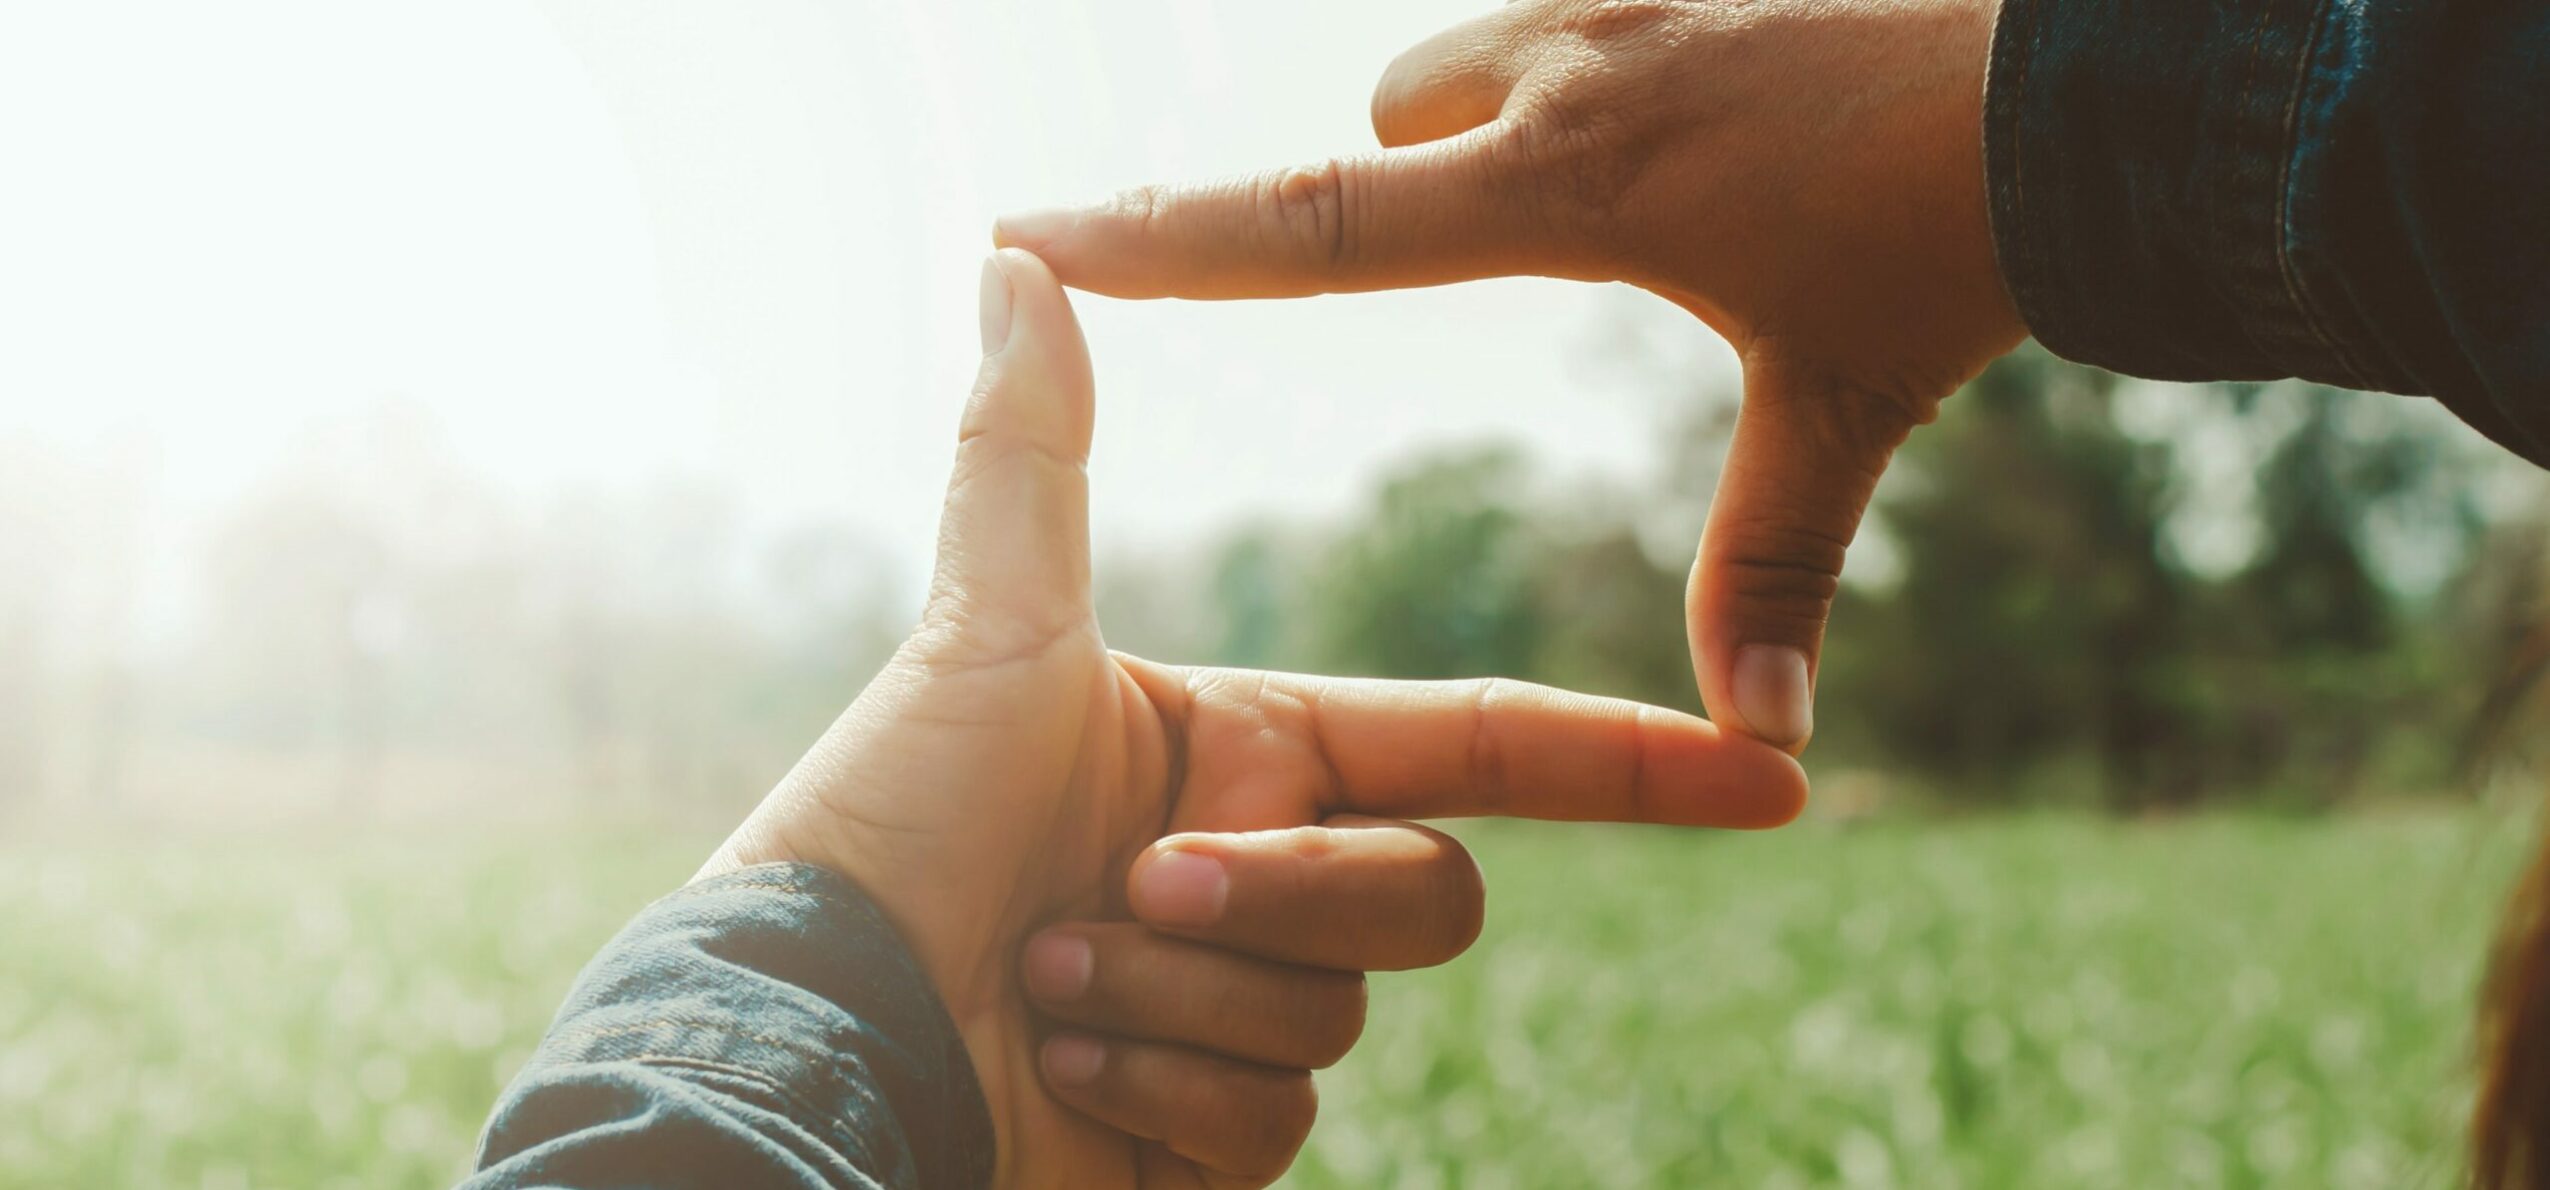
x=1985 y=1003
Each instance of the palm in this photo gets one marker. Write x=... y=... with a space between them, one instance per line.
x=1059 y=764
x=1062 y=770
x=1050 y=767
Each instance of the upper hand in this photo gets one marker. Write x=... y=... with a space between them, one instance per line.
x=1005 y=772
x=1806 y=176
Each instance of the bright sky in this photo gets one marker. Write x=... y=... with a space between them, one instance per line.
x=607 y=239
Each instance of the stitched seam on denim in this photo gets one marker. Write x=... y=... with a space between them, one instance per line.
x=718 y=884
x=2240 y=136
x=813 y=894
x=2244 y=216
x=760 y=885
x=2303 y=302
x=842 y=1126
x=2018 y=143
x=723 y=1030
x=822 y=1059
x=865 y=912
x=826 y=1065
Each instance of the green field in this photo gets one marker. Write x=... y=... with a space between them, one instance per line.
x=2034 y=1002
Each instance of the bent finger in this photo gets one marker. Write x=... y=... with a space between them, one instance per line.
x=1800 y=471
x=1236 y=1118
x=1429 y=215
x=1127 y=979
x=1355 y=894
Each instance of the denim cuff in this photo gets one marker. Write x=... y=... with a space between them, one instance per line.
x=2140 y=157
x=784 y=985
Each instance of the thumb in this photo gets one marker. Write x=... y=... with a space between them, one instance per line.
x=1013 y=550
x=1806 y=456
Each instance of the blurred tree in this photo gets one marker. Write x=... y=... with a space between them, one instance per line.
x=1250 y=587
x=2330 y=667
x=296 y=614
x=2504 y=599
x=2035 y=620
x=33 y=565
x=2032 y=617
x=1438 y=583
x=1613 y=619
x=826 y=614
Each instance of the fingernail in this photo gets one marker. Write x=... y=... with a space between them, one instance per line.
x=995 y=309
x=1182 y=888
x=1771 y=694
x=1033 y=229
x=1059 y=966
x=1072 y=1060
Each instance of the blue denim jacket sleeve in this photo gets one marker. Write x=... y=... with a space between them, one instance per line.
x=2351 y=191
x=761 y=1028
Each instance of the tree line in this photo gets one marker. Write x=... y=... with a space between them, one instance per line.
x=2071 y=588
x=2281 y=593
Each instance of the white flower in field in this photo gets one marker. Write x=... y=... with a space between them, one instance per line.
x=1821 y=1035
x=2337 y=1042
x=2277 y=1145
x=1864 y=1159
x=2372 y=1162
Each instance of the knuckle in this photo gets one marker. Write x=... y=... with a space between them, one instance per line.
x=1339 y=1023
x=1576 y=162
x=1307 y=205
x=1314 y=844
x=1786 y=576
x=1449 y=932
x=1865 y=426
x=1859 y=415
x=961 y=634
x=1614 y=21
x=1487 y=763
x=1292 y=1106
x=1141 y=208
x=1464 y=911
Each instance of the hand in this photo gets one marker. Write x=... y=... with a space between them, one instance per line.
x=1006 y=772
x=1806 y=176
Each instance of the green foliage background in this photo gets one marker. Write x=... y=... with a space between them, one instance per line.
x=2051 y=625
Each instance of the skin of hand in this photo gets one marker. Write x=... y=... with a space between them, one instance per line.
x=1204 y=859
x=1805 y=176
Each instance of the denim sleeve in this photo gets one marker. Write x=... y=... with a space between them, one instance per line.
x=761 y=1028
x=2355 y=192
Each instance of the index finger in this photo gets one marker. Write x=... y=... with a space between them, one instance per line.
x=1426 y=215
x=1513 y=749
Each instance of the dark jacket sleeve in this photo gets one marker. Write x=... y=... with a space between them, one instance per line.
x=2355 y=192
x=762 y=1028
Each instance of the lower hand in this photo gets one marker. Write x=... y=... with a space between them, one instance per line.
x=1806 y=176
x=1006 y=772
